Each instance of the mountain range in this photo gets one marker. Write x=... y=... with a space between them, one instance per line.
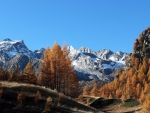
x=88 y=64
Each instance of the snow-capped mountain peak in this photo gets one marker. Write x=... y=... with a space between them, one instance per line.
x=14 y=47
x=86 y=61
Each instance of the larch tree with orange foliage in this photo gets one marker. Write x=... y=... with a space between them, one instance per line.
x=142 y=97
x=70 y=78
x=123 y=97
x=141 y=76
x=134 y=80
x=57 y=71
x=145 y=66
x=129 y=89
x=148 y=79
x=15 y=76
x=146 y=104
x=2 y=74
x=8 y=73
x=119 y=92
x=110 y=96
x=45 y=77
x=148 y=73
x=94 y=91
x=86 y=90
x=122 y=79
x=29 y=75
x=136 y=63
x=146 y=88
x=138 y=90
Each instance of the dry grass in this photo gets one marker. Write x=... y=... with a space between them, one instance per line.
x=31 y=90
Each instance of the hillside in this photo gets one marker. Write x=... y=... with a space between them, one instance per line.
x=132 y=82
x=135 y=81
x=8 y=101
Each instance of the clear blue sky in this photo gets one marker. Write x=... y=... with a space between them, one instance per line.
x=96 y=24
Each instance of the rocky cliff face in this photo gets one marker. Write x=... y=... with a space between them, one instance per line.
x=88 y=64
x=96 y=65
x=15 y=52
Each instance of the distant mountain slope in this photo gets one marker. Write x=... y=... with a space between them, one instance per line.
x=96 y=65
x=88 y=64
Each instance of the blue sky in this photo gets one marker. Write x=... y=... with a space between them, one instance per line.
x=96 y=24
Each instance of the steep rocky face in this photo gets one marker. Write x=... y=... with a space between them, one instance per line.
x=89 y=65
x=12 y=48
x=96 y=65
x=39 y=53
x=15 y=52
x=19 y=59
x=104 y=54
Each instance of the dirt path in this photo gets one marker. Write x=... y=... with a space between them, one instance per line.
x=120 y=109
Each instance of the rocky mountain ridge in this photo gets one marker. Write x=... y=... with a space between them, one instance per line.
x=88 y=64
x=96 y=65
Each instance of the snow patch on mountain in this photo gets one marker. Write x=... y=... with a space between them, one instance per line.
x=15 y=47
x=96 y=64
x=87 y=63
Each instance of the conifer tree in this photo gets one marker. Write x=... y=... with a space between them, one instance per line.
x=136 y=63
x=123 y=98
x=145 y=66
x=122 y=79
x=94 y=91
x=141 y=39
x=15 y=76
x=148 y=79
x=141 y=76
x=110 y=96
x=28 y=74
x=129 y=89
x=138 y=90
x=47 y=78
x=146 y=88
x=86 y=90
x=2 y=74
x=148 y=73
x=1 y=91
x=56 y=57
x=146 y=104
x=142 y=97
x=57 y=71
x=7 y=74
x=118 y=93
x=134 y=80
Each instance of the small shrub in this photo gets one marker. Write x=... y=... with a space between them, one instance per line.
x=38 y=97
x=61 y=97
x=49 y=105
x=21 y=97
x=1 y=91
